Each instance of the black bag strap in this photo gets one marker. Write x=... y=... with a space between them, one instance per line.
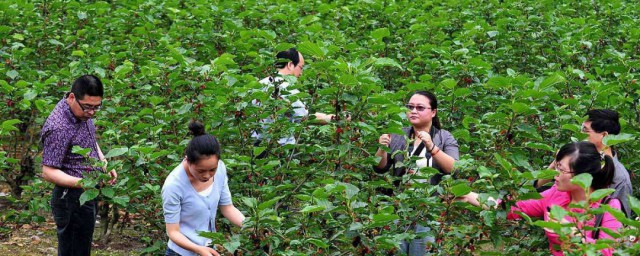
x=421 y=146
x=599 y=218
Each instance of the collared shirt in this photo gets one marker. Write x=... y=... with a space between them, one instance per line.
x=60 y=133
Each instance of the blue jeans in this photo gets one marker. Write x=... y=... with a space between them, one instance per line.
x=417 y=247
x=74 y=222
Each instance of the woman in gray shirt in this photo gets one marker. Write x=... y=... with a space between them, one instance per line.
x=434 y=146
x=192 y=194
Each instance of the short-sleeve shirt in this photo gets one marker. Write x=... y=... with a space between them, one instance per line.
x=60 y=133
x=184 y=205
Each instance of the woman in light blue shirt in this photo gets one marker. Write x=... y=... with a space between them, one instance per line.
x=192 y=194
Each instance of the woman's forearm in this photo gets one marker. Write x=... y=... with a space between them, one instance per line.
x=232 y=214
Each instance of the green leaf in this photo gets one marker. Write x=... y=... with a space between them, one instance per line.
x=312 y=208
x=538 y=145
x=78 y=53
x=108 y=192
x=380 y=33
x=55 y=42
x=634 y=203
x=116 y=152
x=250 y=202
x=355 y=226
x=88 y=195
x=551 y=80
x=384 y=218
x=121 y=200
x=492 y=34
x=548 y=224
x=82 y=15
x=233 y=244
x=258 y=150
x=317 y=242
x=18 y=37
x=583 y=180
x=498 y=82
x=311 y=49
x=269 y=203
x=460 y=189
x=309 y=19
x=462 y=51
x=448 y=83
x=351 y=190
x=30 y=94
x=80 y=150
x=521 y=108
x=9 y=125
x=600 y=193
x=383 y=62
x=12 y=74
x=484 y=172
x=615 y=139
x=558 y=213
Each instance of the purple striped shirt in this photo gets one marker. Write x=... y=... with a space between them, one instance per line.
x=60 y=133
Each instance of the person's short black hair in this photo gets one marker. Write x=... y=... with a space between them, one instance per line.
x=87 y=85
x=284 y=57
x=202 y=145
x=604 y=120
x=584 y=157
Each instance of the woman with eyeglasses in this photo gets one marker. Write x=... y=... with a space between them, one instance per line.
x=572 y=159
x=424 y=138
x=192 y=194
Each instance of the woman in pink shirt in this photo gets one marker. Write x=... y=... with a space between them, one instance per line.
x=572 y=159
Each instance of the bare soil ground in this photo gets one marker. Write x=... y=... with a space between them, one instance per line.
x=40 y=238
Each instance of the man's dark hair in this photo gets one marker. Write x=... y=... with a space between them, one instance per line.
x=604 y=120
x=87 y=85
x=284 y=57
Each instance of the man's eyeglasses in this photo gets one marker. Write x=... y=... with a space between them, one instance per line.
x=584 y=129
x=88 y=108
x=418 y=107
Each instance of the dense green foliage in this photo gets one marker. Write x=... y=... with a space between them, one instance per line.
x=514 y=79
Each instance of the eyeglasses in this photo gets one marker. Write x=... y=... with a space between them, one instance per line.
x=584 y=129
x=418 y=107
x=562 y=170
x=88 y=108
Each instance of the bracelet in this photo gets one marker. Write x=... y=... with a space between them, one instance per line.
x=434 y=154
x=434 y=146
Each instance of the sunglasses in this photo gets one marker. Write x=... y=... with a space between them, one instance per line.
x=418 y=107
